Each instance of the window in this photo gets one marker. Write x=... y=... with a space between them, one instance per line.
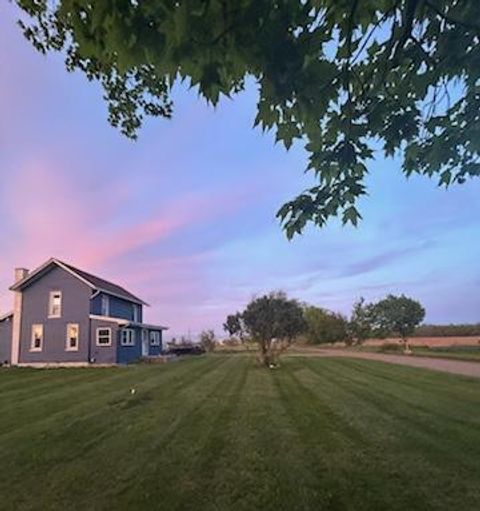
x=128 y=337
x=55 y=304
x=154 y=338
x=105 y=305
x=72 y=337
x=136 y=313
x=36 y=343
x=104 y=336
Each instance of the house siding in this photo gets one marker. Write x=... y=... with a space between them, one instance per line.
x=104 y=354
x=5 y=340
x=127 y=354
x=75 y=309
x=119 y=308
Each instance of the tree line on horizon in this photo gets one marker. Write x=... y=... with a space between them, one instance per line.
x=274 y=321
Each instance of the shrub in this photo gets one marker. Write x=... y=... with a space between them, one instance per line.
x=390 y=346
x=323 y=326
x=207 y=340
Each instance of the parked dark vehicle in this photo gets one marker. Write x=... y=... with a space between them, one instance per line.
x=191 y=349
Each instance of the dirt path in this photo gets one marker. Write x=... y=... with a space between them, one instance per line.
x=437 y=364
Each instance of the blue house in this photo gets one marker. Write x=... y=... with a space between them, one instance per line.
x=66 y=316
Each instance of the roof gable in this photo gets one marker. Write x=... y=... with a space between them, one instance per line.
x=96 y=283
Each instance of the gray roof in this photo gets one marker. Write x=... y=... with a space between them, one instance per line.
x=93 y=281
x=105 y=285
x=5 y=316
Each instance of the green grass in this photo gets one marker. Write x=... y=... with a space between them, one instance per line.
x=469 y=353
x=218 y=433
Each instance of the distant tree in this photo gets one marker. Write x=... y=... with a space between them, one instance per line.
x=234 y=326
x=361 y=322
x=270 y=319
x=324 y=326
x=348 y=79
x=207 y=340
x=398 y=315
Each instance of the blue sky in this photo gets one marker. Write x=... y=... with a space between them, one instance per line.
x=185 y=216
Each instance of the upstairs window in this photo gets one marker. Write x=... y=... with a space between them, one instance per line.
x=154 y=338
x=105 y=305
x=72 y=337
x=36 y=343
x=128 y=337
x=104 y=336
x=136 y=313
x=55 y=304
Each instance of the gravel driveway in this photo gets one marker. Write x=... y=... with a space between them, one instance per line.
x=447 y=366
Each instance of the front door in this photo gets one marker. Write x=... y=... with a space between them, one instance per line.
x=144 y=343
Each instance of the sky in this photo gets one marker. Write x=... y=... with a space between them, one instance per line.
x=185 y=216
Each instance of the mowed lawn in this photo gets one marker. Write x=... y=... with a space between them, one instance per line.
x=469 y=353
x=218 y=433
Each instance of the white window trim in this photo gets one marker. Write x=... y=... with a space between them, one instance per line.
x=32 y=346
x=130 y=337
x=50 y=298
x=102 y=344
x=154 y=338
x=67 y=342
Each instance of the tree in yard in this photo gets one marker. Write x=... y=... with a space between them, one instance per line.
x=324 y=326
x=348 y=79
x=270 y=319
x=207 y=340
x=361 y=322
x=398 y=315
x=235 y=327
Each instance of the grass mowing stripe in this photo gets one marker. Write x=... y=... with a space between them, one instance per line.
x=413 y=444
x=262 y=465
x=219 y=433
x=327 y=446
x=452 y=412
x=151 y=447
x=207 y=427
x=98 y=441
x=426 y=419
x=30 y=406
x=91 y=397
x=366 y=373
x=410 y=377
x=12 y=378
x=351 y=473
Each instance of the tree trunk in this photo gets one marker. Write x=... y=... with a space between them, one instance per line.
x=266 y=352
x=406 y=346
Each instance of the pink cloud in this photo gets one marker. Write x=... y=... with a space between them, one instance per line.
x=55 y=214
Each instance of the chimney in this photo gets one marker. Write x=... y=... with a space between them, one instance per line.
x=20 y=274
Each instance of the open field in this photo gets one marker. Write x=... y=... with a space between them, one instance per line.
x=473 y=340
x=218 y=433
